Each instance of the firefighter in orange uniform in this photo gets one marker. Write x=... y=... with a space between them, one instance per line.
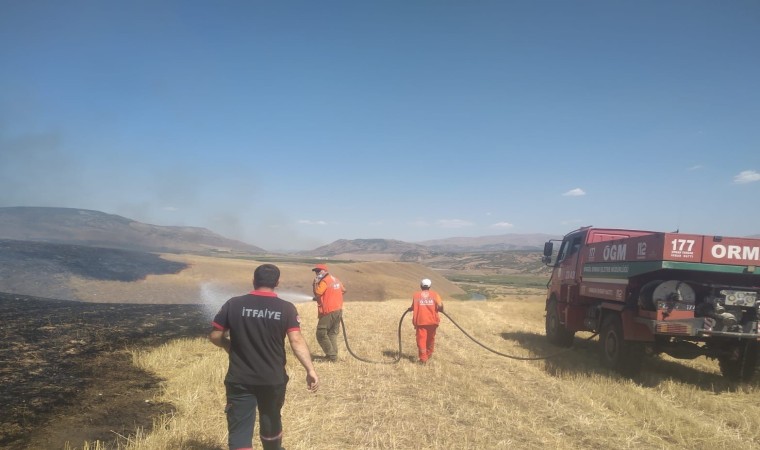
x=328 y=293
x=425 y=304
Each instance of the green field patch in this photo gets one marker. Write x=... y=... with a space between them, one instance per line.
x=511 y=280
x=291 y=259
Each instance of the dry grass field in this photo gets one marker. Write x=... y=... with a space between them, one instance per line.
x=366 y=281
x=465 y=398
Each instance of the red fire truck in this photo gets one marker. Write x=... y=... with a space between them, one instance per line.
x=648 y=292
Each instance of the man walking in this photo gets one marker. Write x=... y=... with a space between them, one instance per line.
x=328 y=293
x=425 y=304
x=256 y=378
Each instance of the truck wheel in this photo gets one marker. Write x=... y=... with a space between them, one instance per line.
x=740 y=366
x=624 y=357
x=555 y=331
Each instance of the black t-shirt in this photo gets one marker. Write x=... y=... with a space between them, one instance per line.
x=258 y=323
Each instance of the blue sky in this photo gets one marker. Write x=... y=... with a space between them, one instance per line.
x=292 y=124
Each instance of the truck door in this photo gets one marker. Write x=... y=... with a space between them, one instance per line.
x=567 y=267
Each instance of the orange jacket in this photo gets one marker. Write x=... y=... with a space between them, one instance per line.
x=329 y=292
x=425 y=305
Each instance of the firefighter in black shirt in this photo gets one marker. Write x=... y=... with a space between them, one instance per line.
x=256 y=379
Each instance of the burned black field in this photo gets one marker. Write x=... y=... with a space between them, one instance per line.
x=67 y=373
x=65 y=367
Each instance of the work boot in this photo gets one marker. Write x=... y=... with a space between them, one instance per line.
x=273 y=444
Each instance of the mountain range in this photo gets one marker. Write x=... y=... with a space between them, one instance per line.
x=99 y=229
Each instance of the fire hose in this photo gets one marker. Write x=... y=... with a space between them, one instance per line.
x=394 y=361
x=398 y=358
x=519 y=358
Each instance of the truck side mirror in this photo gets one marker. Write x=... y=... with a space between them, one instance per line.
x=548 y=249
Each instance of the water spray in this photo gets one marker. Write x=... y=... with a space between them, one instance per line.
x=294 y=297
x=213 y=297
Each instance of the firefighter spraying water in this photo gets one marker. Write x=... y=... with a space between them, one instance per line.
x=328 y=293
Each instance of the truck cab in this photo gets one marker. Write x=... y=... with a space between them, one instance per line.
x=564 y=288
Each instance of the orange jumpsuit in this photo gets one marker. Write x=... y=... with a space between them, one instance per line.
x=329 y=295
x=425 y=305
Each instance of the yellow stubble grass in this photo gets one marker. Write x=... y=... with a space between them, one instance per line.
x=465 y=397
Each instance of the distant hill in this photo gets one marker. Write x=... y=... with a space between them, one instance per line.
x=486 y=255
x=389 y=249
x=501 y=242
x=98 y=229
x=367 y=249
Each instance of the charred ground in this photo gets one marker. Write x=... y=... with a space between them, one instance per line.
x=65 y=367
x=66 y=371
x=43 y=267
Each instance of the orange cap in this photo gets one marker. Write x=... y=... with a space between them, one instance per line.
x=319 y=267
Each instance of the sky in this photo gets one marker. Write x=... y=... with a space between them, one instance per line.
x=292 y=124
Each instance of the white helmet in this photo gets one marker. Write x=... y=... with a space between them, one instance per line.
x=426 y=283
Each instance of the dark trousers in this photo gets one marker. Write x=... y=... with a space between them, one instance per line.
x=328 y=328
x=242 y=402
